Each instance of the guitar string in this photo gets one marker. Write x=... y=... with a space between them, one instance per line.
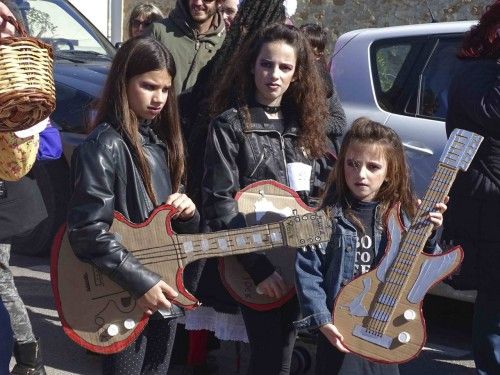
x=414 y=239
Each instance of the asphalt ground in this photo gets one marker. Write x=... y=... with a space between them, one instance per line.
x=447 y=350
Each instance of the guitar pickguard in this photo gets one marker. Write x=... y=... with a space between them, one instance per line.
x=356 y=307
x=433 y=269
x=394 y=228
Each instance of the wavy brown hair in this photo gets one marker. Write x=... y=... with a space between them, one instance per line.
x=396 y=189
x=483 y=39
x=304 y=99
x=137 y=56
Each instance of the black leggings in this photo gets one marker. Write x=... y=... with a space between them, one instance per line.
x=272 y=338
x=149 y=354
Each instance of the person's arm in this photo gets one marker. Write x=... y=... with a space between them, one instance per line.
x=220 y=184
x=309 y=282
x=90 y=215
x=6 y=28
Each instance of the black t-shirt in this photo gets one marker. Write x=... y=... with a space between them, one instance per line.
x=365 y=248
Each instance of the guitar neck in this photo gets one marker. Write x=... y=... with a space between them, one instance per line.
x=232 y=242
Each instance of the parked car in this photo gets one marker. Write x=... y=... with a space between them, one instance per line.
x=82 y=57
x=399 y=76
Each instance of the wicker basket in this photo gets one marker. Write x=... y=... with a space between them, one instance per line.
x=27 y=93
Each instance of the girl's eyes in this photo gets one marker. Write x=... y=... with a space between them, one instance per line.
x=266 y=64
x=270 y=65
x=285 y=68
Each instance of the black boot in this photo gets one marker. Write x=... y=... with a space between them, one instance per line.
x=28 y=359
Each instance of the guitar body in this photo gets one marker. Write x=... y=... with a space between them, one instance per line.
x=88 y=302
x=381 y=326
x=263 y=202
x=101 y=316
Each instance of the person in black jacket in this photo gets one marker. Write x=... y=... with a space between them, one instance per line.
x=472 y=218
x=272 y=112
x=132 y=162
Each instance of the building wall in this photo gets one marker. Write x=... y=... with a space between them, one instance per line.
x=340 y=16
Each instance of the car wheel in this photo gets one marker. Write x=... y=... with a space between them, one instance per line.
x=301 y=361
x=52 y=177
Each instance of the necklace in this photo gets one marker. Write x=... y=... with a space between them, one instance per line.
x=269 y=109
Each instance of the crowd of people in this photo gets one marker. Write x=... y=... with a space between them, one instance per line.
x=221 y=94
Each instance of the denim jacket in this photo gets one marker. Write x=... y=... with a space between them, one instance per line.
x=320 y=274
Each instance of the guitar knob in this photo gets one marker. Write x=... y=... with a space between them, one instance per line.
x=113 y=330
x=129 y=324
x=404 y=337
x=410 y=314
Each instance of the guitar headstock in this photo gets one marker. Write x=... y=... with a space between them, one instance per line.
x=308 y=229
x=460 y=149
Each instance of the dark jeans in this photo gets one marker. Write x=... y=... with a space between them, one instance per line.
x=148 y=355
x=486 y=332
x=272 y=338
x=6 y=340
x=330 y=361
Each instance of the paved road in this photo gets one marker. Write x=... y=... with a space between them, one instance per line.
x=447 y=351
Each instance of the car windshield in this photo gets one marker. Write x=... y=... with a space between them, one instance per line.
x=60 y=24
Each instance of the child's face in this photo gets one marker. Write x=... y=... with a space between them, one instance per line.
x=147 y=93
x=365 y=170
x=273 y=71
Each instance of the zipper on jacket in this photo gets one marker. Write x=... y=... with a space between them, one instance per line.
x=261 y=159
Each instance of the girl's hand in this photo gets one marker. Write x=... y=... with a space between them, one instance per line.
x=274 y=286
x=156 y=298
x=333 y=335
x=436 y=217
x=183 y=204
x=6 y=28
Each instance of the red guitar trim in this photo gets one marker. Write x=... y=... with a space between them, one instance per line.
x=424 y=327
x=54 y=280
x=281 y=301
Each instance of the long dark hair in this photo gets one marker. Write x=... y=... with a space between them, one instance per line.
x=483 y=39
x=396 y=189
x=305 y=97
x=137 y=56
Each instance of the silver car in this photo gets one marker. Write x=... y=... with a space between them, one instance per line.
x=399 y=76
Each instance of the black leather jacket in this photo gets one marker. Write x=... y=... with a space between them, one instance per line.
x=236 y=157
x=105 y=179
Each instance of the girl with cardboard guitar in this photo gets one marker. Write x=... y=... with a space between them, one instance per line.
x=131 y=162
x=270 y=125
x=370 y=177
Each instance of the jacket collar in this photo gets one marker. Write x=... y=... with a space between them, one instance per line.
x=182 y=19
x=260 y=123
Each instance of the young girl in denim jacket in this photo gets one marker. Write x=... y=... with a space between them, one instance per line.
x=370 y=177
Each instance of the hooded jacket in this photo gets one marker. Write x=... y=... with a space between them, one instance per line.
x=191 y=50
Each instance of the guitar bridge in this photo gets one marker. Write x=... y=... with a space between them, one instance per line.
x=381 y=340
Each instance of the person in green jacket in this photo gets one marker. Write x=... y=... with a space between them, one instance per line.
x=192 y=32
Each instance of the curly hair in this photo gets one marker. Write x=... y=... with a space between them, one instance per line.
x=304 y=99
x=396 y=189
x=483 y=40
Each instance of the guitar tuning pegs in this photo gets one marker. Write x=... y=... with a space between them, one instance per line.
x=312 y=247
x=304 y=249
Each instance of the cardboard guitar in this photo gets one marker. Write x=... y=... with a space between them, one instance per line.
x=263 y=202
x=99 y=315
x=379 y=313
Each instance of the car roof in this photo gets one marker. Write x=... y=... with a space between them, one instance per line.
x=411 y=30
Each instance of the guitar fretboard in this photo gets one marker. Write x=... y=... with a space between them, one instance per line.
x=234 y=242
x=411 y=245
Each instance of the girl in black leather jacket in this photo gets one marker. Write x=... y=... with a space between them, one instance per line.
x=132 y=162
x=273 y=109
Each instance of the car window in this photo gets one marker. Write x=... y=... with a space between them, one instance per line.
x=389 y=61
x=55 y=22
x=436 y=77
x=392 y=62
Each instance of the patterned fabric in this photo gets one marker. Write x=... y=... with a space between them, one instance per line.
x=19 y=319
x=17 y=155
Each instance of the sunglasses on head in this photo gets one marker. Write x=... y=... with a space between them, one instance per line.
x=138 y=23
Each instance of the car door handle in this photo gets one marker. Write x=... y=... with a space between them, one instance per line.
x=423 y=150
